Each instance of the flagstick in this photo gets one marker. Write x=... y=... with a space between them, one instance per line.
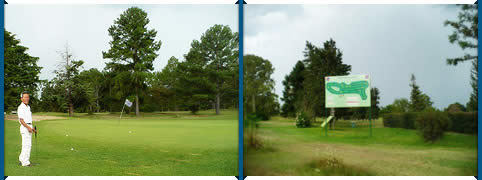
x=121 y=113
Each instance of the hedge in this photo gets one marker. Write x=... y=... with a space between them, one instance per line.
x=400 y=120
x=461 y=122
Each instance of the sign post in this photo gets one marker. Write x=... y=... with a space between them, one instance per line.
x=348 y=91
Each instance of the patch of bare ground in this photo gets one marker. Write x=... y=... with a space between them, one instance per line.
x=14 y=117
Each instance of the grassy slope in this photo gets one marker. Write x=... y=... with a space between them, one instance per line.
x=174 y=143
x=391 y=151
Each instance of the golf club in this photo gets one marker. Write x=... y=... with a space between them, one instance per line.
x=36 y=141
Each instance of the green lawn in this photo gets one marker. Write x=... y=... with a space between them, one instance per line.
x=173 y=143
x=288 y=150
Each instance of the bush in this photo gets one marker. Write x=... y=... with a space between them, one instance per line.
x=432 y=125
x=302 y=120
x=463 y=122
x=263 y=115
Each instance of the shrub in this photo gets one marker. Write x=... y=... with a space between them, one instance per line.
x=302 y=120
x=263 y=115
x=463 y=122
x=432 y=125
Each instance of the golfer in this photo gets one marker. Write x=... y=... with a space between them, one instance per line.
x=26 y=130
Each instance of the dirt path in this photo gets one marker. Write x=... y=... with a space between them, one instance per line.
x=14 y=117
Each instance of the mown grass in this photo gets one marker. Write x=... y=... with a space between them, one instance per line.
x=288 y=150
x=173 y=143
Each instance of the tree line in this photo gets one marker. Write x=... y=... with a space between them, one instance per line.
x=207 y=78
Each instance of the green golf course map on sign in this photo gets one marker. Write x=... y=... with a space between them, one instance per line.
x=347 y=91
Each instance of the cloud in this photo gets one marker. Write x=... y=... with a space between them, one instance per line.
x=45 y=29
x=387 y=41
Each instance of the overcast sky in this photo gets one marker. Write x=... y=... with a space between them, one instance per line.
x=45 y=29
x=389 y=42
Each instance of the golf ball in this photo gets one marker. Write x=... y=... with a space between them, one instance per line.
x=66 y=135
x=71 y=149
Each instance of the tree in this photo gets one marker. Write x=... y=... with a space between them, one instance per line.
x=52 y=97
x=418 y=100
x=465 y=32
x=473 y=103
x=193 y=85
x=466 y=35
x=168 y=78
x=455 y=107
x=132 y=49
x=161 y=88
x=320 y=62
x=375 y=102
x=257 y=78
x=401 y=105
x=92 y=82
x=218 y=48
x=67 y=77
x=293 y=90
x=21 y=72
x=259 y=87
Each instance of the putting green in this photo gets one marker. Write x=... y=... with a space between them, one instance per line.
x=174 y=143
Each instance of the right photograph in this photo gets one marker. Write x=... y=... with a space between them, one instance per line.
x=376 y=90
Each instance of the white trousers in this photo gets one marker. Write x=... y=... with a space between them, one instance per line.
x=24 y=157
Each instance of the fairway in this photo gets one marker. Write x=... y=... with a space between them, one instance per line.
x=288 y=150
x=167 y=143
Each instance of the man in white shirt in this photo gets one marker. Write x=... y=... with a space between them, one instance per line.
x=26 y=130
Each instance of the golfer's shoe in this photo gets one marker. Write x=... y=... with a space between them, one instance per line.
x=20 y=164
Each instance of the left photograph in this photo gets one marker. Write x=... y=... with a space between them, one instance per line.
x=121 y=90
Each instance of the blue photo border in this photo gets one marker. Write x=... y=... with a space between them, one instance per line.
x=479 y=126
x=2 y=125
x=240 y=90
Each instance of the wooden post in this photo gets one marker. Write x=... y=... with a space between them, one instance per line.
x=332 y=113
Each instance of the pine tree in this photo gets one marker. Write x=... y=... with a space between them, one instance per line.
x=293 y=90
x=320 y=62
x=466 y=36
x=418 y=100
x=132 y=49
x=218 y=48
